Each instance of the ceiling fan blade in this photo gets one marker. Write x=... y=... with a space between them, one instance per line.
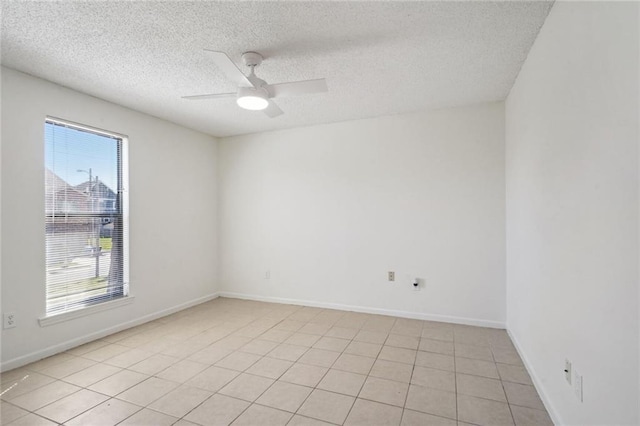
x=210 y=96
x=296 y=88
x=273 y=110
x=230 y=69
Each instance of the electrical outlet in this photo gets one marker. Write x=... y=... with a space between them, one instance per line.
x=567 y=370
x=392 y=276
x=9 y=320
x=577 y=385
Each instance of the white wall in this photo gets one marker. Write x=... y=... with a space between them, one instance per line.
x=329 y=209
x=172 y=192
x=572 y=210
x=0 y=221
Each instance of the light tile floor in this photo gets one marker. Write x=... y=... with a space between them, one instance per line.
x=241 y=362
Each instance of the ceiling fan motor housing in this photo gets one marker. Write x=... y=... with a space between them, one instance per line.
x=252 y=59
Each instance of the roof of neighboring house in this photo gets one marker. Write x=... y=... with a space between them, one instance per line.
x=53 y=182
x=60 y=196
x=99 y=189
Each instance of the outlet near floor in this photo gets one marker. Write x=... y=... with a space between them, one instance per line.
x=9 y=320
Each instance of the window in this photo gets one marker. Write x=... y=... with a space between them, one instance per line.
x=85 y=216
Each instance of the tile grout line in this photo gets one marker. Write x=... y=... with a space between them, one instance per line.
x=325 y=374
x=242 y=372
x=506 y=396
x=404 y=404
x=306 y=351
x=365 y=380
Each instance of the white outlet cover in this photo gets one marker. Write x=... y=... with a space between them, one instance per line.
x=9 y=320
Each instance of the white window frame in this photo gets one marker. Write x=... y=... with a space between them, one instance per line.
x=126 y=298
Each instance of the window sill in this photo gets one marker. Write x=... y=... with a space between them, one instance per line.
x=66 y=316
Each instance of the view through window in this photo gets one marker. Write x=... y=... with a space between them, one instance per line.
x=86 y=224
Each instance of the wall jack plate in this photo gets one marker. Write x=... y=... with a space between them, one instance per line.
x=392 y=276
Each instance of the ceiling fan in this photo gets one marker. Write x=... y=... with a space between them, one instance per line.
x=254 y=93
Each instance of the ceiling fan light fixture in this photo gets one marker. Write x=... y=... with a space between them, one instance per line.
x=253 y=93
x=252 y=99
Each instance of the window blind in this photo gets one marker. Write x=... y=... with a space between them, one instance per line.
x=86 y=229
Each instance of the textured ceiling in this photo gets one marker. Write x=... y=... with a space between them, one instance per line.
x=379 y=58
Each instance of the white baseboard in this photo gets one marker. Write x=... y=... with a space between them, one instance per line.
x=367 y=310
x=61 y=347
x=537 y=383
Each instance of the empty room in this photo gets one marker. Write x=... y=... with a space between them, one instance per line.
x=377 y=213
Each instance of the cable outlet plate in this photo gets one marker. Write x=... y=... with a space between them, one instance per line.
x=392 y=276
x=567 y=370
